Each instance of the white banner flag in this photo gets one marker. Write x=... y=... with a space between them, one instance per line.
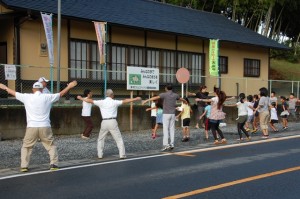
x=47 y=21
x=101 y=37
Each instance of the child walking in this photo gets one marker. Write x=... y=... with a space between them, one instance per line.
x=256 y=113
x=250 y=108
x=285 y=113
x=274 y=117
x=206 y=114
x=159 y=116
x=186 y=118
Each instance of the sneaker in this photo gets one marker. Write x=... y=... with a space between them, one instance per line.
x=224 y=141
x=53 y=167
x=284 y=128
x=166 y=148
x=123 y=157
x=185 y=139
x=216 y=142
x=25 y=169
x=254 y=131
x=265 y=137
x=84 y=137
x=240 y=139
x=171 y=147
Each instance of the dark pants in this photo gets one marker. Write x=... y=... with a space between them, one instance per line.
x=214 y=125
x=88 y=126
x=240 y=125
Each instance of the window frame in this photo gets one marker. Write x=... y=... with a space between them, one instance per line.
x=251 y=63
x=225 y=66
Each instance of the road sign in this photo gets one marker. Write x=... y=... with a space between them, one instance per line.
x=183 y=75
x=141 y=78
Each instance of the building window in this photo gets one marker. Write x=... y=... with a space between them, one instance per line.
x=84 y=60
x=153 y=58
x=136 y=56
x=251 y=68
x=118 y=63
x=168 y=66
x=194 y=63
x=223 y=64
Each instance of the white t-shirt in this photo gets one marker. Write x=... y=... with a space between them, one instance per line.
x=108 y=107
x=250 y=110
x=242 y=108
x=274 y=115
x=86 y=109
x=153 y=111
x=37 y=106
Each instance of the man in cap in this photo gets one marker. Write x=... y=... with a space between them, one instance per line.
x=44 y=82
x=37 y=108
x=109 y=110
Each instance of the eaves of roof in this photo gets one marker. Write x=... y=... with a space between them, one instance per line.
x=151 y=15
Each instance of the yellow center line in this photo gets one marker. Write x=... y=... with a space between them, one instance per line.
x=207 y=189
x=185 y=154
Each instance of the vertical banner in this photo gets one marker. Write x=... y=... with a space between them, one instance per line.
x=214 y=57
x=100 y=28
x=47 y=21
x=101 y=37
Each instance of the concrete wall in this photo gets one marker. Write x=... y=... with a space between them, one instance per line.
x=67 y=121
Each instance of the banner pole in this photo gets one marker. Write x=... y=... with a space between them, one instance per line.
x=105 y=57
x=58 y=44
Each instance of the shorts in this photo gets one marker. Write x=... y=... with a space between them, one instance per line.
x=284 y=116
x=186 y=122
x=250 y=118
x=274 y=121
x=207 y=124
x=153 y=122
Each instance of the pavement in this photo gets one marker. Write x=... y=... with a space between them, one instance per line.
x=74 y=151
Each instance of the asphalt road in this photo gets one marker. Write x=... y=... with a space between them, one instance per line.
x=227 y=171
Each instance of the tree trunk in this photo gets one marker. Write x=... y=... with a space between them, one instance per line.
x=268 y=20
x=296 y=44
x=235 y=2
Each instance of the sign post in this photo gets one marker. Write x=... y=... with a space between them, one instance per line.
x=141 y=78
x=182 y=76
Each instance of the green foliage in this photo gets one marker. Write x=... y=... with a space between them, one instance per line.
x=284 y=70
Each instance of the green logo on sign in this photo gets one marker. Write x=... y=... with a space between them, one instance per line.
x=135 y=79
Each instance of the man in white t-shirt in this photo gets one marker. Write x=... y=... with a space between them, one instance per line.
x=38 y=106
x=44 y=82
x=109 y=111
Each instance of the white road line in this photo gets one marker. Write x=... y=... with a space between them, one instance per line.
x=154 y=156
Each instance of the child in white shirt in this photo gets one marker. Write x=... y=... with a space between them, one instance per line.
x=274 y=117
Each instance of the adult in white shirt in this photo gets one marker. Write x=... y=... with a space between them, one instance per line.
x=109 y=110
x=37 y=106
x=86 y=115
x=44 y=82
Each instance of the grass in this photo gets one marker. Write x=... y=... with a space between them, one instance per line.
x=282 y=69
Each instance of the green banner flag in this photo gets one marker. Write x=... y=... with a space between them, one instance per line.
x=214 y=57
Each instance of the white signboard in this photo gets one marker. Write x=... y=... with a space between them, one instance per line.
x=140 y=78
x=10 y=72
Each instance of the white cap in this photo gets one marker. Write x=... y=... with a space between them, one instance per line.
x=37 y=85
x=43 y=79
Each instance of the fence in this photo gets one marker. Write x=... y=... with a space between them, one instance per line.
x=116 y=80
